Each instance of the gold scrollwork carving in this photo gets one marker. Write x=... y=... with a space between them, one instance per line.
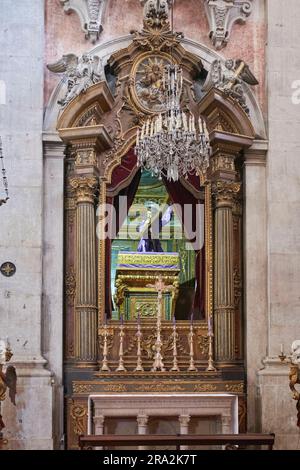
x=205 y=388
x=117 y=388
x=86 y=157
x=203 y=343
x=235 y=388
x=79 y=417
x=82 y=388
x=159 y=387
x=294 y=377
x=237 y=283
x=70 y=283
x=222 y=162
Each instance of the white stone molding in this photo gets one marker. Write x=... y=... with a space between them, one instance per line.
x=91 y=13
x=223 y=406
x=222 y=14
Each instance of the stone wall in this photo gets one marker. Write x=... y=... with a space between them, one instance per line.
x=21 y=122
x=283 y=209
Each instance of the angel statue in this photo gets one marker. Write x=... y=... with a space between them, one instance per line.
x=8 y=380
x=81 y=73
x=229 y=78
x=150 y=229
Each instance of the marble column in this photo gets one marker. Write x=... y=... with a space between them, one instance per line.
x=184 y=427
x=142 y=421
x=226 y=421
x=99 y=427
x=85 y=188
x=255 y=272
x=224 y=309
x=53 y=258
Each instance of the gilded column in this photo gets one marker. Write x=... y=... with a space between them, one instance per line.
x=224 y=308
x=85 y=188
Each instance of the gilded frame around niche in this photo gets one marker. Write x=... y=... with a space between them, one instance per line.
x=208 y=237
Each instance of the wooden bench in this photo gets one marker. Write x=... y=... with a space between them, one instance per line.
x=230 y=441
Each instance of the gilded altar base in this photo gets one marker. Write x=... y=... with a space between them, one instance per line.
x=135 y=271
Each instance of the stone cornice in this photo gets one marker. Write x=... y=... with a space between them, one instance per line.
x=256 y=155
x=53 y=146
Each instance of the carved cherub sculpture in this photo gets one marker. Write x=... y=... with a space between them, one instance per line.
x=295 y=357
x=81 y=73
x=228 y=77
x=8 y=379
x=294 y=375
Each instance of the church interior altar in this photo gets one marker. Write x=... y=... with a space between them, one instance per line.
x=153 y=287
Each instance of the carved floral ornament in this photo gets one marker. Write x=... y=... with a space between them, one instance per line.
x=222 y=14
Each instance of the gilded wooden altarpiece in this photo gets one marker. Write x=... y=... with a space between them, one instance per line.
x=100 y=127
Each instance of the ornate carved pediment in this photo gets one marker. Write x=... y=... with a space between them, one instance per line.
x=90 y=13
x=224 y=117
x=222 y=14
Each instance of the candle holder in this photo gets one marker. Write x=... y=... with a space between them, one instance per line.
x=210 y=367
x=158 y=359
x=192 y=366
x=283 y=357
x=105 y=367
x=139 y=335
x=175 y=367
x=121 y=367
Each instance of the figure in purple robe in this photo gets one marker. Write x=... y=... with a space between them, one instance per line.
x=150 y=237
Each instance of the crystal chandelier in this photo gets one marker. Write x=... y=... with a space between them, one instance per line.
x=4 y=178
x=172 y=144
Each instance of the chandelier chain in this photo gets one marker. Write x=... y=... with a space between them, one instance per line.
x=4 y=178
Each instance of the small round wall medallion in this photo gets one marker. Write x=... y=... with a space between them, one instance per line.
x=8 y=269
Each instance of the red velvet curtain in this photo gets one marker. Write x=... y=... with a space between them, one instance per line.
x=180 y=195
x=123 y=183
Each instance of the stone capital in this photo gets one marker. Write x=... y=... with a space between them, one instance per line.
x=184 y=420
x=85 y=188
x=256 y=155
x=99 y=420
x=142 y=420
x=225 y=193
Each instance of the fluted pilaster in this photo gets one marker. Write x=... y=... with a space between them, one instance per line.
x=224 y=308
x=85 y=188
